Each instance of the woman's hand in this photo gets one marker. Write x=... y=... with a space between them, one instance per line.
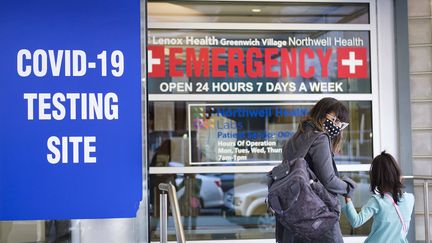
x=351 y=186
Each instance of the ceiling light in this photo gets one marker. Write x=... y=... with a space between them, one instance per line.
x=256 y=10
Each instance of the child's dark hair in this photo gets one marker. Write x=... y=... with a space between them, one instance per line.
x=385 y=176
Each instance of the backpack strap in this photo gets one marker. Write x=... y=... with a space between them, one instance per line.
x=305 y=148
x=316 y=135
x=404 y=227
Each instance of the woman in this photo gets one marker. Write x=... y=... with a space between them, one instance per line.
x=321 y=134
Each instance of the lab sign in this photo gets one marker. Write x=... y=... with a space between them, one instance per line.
x=70 y=129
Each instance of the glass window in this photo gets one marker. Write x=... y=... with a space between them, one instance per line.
x=361 y=195
x=258 y=12
x=231 y=206
x=271 y=62
x=191 y=134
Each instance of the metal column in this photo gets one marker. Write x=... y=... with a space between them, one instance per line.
x=172 y=196
x=163 y=227
x=426 y=209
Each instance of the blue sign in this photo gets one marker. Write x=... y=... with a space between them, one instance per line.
x=70 y=109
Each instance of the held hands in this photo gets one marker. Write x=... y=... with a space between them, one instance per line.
x=351 y=185
x=347 y=200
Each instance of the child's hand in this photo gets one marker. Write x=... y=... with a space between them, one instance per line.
x=347 y=199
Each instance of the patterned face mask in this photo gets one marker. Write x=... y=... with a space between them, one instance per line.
x=331 y=128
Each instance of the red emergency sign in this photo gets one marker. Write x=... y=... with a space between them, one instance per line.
x=254 y=62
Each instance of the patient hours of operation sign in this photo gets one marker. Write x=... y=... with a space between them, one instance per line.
x=70 y=126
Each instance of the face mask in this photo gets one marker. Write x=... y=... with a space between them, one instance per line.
x=331 y=128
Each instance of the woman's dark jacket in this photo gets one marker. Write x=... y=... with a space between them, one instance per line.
x=319 y=158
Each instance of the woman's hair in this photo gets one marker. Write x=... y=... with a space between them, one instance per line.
x=385 y=176
x=318 y=113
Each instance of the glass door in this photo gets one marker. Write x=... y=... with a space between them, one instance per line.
x=228 y=83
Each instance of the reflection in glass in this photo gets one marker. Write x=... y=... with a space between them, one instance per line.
x=360 y=197
x=242 y=212
x=217 y=206
x=231 y=206
x=192 y=134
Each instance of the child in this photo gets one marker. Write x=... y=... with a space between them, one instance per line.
x=390 y=207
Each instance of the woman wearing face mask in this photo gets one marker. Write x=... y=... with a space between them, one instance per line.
x=321 y=134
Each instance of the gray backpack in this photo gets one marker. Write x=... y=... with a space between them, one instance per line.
x=299 y=201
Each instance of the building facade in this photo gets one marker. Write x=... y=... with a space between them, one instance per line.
x=227 y=82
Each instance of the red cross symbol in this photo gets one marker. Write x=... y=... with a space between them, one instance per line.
x=352 y=62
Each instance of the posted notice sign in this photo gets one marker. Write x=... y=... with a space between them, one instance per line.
x=224 y=133
x=70 y=105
